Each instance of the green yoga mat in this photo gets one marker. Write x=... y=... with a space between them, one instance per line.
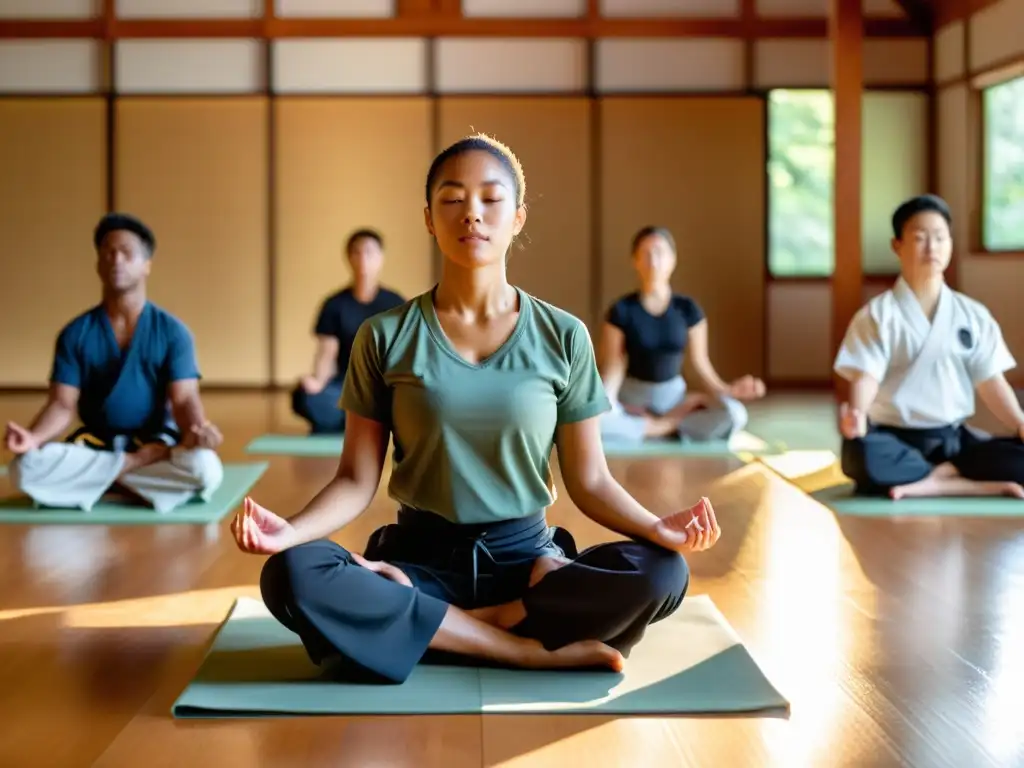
x=841 y=500
x=690 y=663
x=742 y=442
x=238 y=480
x=296 y=445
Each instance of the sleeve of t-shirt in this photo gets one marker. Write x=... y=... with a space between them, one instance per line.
x=365 y=391
x=691 y=310
x=617 y=315
x=583 y=395
x=862 y=350
x=990 y=356
x=327 y=321
x=182 y=362
x=67 y=365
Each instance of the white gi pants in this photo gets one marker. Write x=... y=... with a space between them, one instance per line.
x=65 y=475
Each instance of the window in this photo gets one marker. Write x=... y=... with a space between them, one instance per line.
x=1002 y=226
x=801 y=170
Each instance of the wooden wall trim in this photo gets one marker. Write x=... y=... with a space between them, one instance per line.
x=447 y=26
x=847 y=53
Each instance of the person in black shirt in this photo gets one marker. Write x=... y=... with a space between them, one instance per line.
x=316 y=397
x=644 y=341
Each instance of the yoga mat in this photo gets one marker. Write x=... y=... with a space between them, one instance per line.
x=841 y=500
x=296 y=445
x=818 y=474
x=690 y=663
x=742 y=442
x=238 y=480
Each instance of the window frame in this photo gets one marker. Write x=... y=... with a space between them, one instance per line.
x=980 y=86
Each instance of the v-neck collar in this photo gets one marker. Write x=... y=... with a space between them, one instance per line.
x=441 y=338
x=911 y=307
x=123 y=354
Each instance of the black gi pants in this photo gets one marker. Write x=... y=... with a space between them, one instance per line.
x=371 y=628
x=890 y=456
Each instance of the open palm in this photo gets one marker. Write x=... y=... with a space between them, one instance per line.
x=259 y=531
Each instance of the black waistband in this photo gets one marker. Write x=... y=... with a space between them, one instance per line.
x=433 y=524
x=923 y=433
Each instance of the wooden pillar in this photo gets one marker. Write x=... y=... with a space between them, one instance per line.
x=846 y=32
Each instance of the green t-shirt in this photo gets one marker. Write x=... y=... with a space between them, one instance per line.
x=473 y=442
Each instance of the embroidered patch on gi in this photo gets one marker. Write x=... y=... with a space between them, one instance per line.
x=964 y=334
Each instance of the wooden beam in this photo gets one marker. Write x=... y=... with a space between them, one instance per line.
x=416 y=24
x=921 y=13
x=847 y=52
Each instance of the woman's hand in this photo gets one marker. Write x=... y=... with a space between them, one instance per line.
x=692 y=530
x=387 y=570
x=259 y=531
x=747 y=388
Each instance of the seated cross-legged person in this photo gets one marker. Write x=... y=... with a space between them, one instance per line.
x=127 y=369
x=475 y=382
x=316 y=397
x=915 y=355
x=646 y=336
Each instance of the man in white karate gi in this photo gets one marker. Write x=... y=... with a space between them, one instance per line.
x=915 y=356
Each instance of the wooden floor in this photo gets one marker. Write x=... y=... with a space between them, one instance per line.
x=898 y=642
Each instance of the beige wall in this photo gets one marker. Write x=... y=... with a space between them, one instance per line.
x=252 y=198
x=989 y=38
x=52 y=191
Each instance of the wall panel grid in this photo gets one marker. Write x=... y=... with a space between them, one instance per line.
x=189 y=66
x=781 y=63
x=64 y=10
x=51 y=66
x=325 y=9
x=494 y=65
x=188 y=9
x=639 y=65
x=384 y=66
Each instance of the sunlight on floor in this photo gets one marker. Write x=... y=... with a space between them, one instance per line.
x=806 y=627
x=204 y=606
x=1003 y=731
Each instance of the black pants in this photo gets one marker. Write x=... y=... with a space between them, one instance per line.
x=889 y=456
x=322 y=410
x=376 y=629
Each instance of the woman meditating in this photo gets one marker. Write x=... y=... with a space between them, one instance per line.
x=476 y=381
x=645 y=337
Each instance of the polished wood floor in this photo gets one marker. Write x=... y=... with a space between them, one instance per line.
x=899 y=642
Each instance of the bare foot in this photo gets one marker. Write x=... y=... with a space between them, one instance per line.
x=585 y=653
x=955 y=486
x=508 y=615
x=148 y=454
x=542 y=566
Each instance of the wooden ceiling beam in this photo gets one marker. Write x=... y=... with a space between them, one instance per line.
x=417 y=25
x=921 y=13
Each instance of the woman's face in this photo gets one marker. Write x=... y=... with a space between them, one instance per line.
x=473 y=212
x=654 y=260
